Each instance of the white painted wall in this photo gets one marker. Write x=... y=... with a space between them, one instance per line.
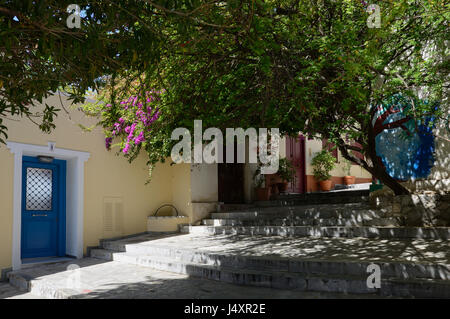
x=204 y=183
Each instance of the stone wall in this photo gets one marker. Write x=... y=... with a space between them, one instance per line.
x=439 y=178
x=427 y=209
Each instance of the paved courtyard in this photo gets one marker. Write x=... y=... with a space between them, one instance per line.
x=305 y=248
x=9 y=292
x=100 y=279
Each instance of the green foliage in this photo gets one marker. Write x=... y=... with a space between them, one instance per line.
x=323 y=163
x=40 y=55
x=310 y=66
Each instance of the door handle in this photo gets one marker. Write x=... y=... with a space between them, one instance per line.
x=39 y=215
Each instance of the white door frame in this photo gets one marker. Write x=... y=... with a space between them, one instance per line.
x=74 y=195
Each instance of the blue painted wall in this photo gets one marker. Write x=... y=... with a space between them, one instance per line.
x=405 y=146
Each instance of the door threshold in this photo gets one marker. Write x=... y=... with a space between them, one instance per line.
x=30 y=262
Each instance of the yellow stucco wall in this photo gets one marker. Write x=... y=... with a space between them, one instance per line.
x=106 y=177
x=6 y=206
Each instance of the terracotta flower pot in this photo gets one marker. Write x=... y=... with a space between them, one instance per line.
x=325 y=185
x=274 y=190
x=262 y=193
x=275 y=179
x=349 y=180
x=282 y=187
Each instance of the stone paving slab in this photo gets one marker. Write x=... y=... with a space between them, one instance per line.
x=9 y=292
x=100 y=279
x=309 y=248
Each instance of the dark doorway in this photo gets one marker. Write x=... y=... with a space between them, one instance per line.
x=295 y=152
x=231 y=180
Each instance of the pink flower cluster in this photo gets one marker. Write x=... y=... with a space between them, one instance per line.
x=137 y=118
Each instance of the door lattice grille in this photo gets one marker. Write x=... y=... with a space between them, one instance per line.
x=39 y=189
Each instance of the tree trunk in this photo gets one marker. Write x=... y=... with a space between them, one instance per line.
x=381 y=174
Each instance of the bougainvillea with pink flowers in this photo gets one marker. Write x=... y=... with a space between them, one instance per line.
x=134 y=119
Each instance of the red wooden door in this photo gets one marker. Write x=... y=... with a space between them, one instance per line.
x=295 y=152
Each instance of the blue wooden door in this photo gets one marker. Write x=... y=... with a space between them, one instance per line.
x=43 y=208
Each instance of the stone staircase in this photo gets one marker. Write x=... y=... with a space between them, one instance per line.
x=354 y=219
x=318 y=243
x=302 y=264
x=286 y=244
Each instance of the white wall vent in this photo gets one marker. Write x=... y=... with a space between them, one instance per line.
x=113 y=217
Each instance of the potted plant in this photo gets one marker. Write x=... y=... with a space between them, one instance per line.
x=272 y=181
x=347 y=165
x=286 y=174
x=323 y=162
x=262 y=191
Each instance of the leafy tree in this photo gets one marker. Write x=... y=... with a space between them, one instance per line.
x=40 y=54
x=311 y=66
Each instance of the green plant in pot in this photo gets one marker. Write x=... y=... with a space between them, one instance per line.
x=286 y=173
x=323 y=163
x=261 y=190
x=348 y=178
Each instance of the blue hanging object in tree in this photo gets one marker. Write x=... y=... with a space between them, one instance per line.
x=405 y=145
